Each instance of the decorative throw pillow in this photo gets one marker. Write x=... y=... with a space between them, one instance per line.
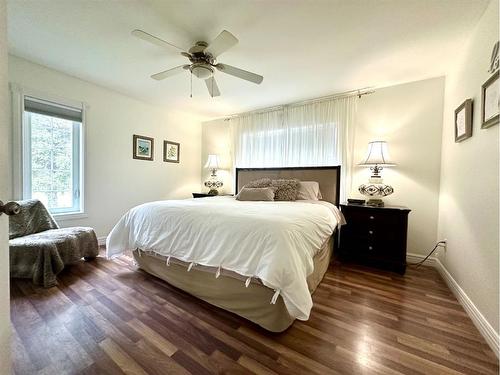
x=286 y=190
x=256 y=194
x=309 y=190
x=260 y=183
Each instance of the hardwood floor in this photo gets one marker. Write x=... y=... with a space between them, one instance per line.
x=107 y=318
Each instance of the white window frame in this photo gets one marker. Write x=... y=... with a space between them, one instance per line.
x=20 y=129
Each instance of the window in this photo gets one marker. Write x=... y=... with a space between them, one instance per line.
x=52 y=155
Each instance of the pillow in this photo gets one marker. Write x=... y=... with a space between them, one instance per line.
x=309 y=190
x=286 y=190
x=256 y=194
x=260 y=183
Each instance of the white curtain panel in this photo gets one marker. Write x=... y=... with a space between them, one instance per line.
x=312 y=134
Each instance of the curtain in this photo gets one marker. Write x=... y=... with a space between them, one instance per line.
x=312 y=134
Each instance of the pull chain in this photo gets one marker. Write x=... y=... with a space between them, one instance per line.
x=191 y=85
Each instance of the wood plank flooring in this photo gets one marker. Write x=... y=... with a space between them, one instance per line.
x=105 y=317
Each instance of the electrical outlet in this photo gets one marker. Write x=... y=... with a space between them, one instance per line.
x=444 y=244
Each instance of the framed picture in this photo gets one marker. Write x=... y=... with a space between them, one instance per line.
x=490 y=100
x=143 y=147
x=171 y=151
x=463 y=121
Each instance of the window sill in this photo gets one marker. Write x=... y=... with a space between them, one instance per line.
x=70 y=216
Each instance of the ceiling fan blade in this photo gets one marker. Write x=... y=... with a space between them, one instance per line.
x=222 y=43
x=240 y=73
x=169 y=72
x=153 y=39
x=212 y=87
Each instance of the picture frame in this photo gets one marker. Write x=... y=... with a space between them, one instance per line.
x=143 y=147
x=463 y=121
x=171 y=152
x=490 y=101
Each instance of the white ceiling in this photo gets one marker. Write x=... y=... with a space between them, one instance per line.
x=304 y=49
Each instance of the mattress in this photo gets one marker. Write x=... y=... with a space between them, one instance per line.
x=229 y=291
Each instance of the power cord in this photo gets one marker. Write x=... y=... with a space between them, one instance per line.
x=418 y=264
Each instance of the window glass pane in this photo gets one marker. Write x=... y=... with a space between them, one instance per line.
x=54 y=166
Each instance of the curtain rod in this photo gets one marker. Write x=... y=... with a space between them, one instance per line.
x=346 y=94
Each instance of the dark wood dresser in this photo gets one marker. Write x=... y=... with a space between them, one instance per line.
x=375 y=236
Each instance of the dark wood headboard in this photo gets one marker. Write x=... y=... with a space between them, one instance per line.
x=327 y=177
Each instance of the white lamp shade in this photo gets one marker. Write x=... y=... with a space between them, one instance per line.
x=212 y=162
x=377 y=154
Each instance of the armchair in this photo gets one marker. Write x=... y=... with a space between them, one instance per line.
x=39 y=249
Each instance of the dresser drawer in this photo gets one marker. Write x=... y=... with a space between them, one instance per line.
x=368 y=218
x=371 y=241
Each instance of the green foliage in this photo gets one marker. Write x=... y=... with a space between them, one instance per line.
x=52 y=159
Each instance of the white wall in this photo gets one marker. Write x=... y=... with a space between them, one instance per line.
x=114 y=181
x=468 y=206
x=409 y=117
x=4 y=195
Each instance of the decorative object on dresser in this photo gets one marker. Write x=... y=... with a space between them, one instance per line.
x=171 y=152
x=143 y=147
x=463 y=121
x=213 y=183
x=490 y=101
x=375 y=236
x=377 y=158
x=356 y=201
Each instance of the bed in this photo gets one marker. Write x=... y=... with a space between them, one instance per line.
x=259 y=260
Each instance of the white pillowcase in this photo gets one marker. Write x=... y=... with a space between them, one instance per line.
x=309 y=190
x=256 y=194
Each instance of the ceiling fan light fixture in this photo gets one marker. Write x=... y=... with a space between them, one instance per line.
x=202 y=71
x=202 y=58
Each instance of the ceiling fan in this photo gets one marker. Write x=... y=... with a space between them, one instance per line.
x=202 y=57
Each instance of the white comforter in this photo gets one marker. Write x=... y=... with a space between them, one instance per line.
x=274 y=241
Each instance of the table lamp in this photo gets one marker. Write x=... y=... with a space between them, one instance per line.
x=377 y=158
x=213 y=183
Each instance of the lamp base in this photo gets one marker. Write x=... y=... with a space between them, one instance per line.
x=213 y=184
x=375 y=190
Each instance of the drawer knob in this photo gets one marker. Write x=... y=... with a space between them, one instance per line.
x=370 y=247
x=372 y=217
x=370 y=232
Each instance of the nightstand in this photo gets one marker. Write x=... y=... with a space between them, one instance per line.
x=375 y=236
x=204 y=195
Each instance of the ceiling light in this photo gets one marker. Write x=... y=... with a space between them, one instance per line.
x=202 y=71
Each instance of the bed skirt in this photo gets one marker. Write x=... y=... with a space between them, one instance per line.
x=229 y=292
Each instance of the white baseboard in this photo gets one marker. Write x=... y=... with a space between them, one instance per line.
x=101 y=241
x=484 y=327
